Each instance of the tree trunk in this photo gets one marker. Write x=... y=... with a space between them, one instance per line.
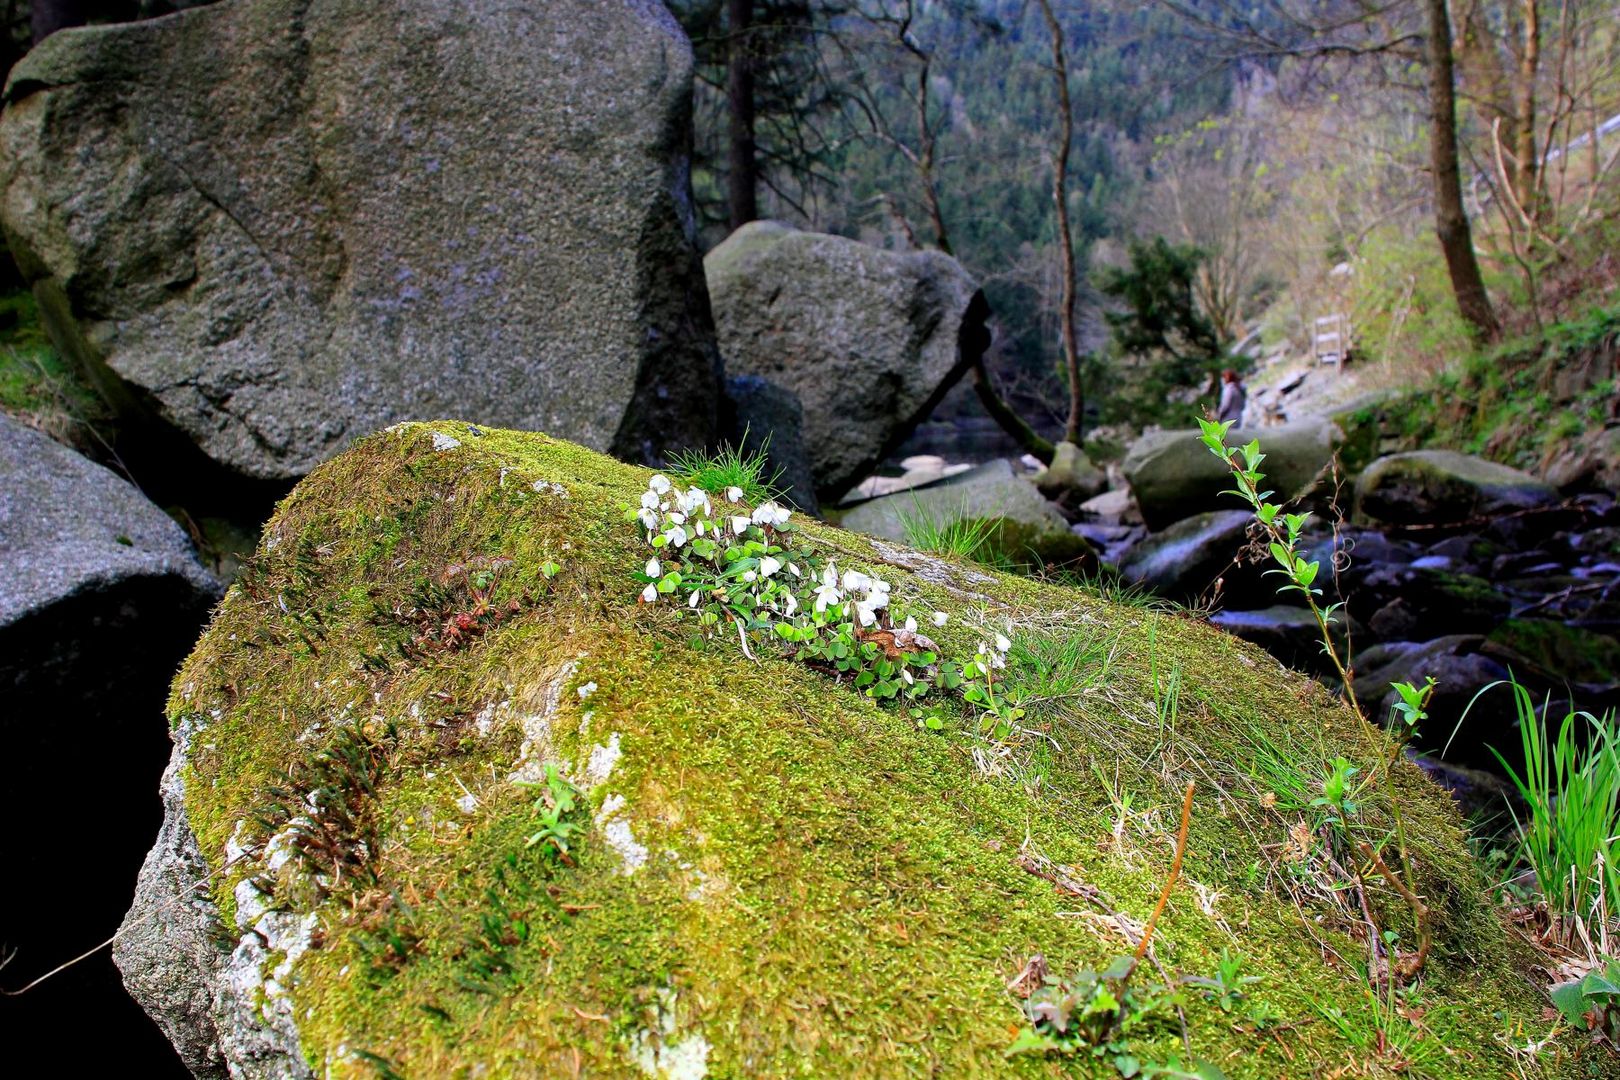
x=1524 y=143
x=49 y=16
x=1027 y=438
x=1450 y=220
x=742 y=175
x=1060 y=200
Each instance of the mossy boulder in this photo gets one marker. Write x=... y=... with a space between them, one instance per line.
x=1174 y=476
x=1070 y=479
x=1442 y=487
x=770 y=874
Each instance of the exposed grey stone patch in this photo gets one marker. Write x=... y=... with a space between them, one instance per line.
x=282 y=224
x=168 y=947
x=935 y=571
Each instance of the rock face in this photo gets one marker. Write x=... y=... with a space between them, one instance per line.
x=100 y=599
x=769 y=873
x=1440 y=487
x=869 y=340
x=1173 y=475
x=280 y=224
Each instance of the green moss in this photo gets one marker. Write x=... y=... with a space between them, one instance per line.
x=36 y=384
x=827 y=890
x=1581 y=655
x=1497 y=403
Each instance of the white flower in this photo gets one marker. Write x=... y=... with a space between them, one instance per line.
x=771 y=514
x=1002 y=644
x=750 y=576
x=697 y=598
x=700 y=527
x=854 y=581
x=827 y=591
x=906 y=675
x=659 y=483
x=677 y=518
x=694 y=499
x=649 y=595
x=739 y=525
x=649 y=518
x=866 y=611
x=653 y=569
x=793 y=568
x=769 y=566
x=734 y=494
x=649 y=500
x=911 y=625
x=791 y=604
x=940 y=618
x=675 y=535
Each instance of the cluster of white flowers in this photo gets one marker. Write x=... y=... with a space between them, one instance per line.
x=675 y=519
x=678 y=515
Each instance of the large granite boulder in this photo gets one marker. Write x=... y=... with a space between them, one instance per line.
x=870 y=340
x=1174 y=476
x=768 y=872
x=1430 y=488
x=101 y=597
x=279 y=224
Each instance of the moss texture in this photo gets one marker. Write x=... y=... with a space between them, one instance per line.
x=828 y=890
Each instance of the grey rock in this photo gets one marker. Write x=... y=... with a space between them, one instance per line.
x=764 y=418
x=81 y=545
x=1441 y=487
x=1289 y=633
x=1112 y=508
x=870 y=340
x=1174 y=476
x=1461 y=669
x=167 y=947
x=988 y=491
x=1184 y=561
x=276 y=225
x=1590 y=462
x=101 y=597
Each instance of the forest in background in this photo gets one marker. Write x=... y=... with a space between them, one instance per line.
x=1284 y=153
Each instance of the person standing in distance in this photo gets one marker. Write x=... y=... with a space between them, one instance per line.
x=1233 y=397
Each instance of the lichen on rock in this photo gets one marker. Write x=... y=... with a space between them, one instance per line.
x=766 y=872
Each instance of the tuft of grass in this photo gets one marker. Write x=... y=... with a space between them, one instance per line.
x=955 y=535
x=1393 y=1029
x=729 y=467
x=1571 y=786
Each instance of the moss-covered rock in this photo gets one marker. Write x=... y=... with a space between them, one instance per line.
x=1174 y=476
x=772 y=874
x=1442 y=487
